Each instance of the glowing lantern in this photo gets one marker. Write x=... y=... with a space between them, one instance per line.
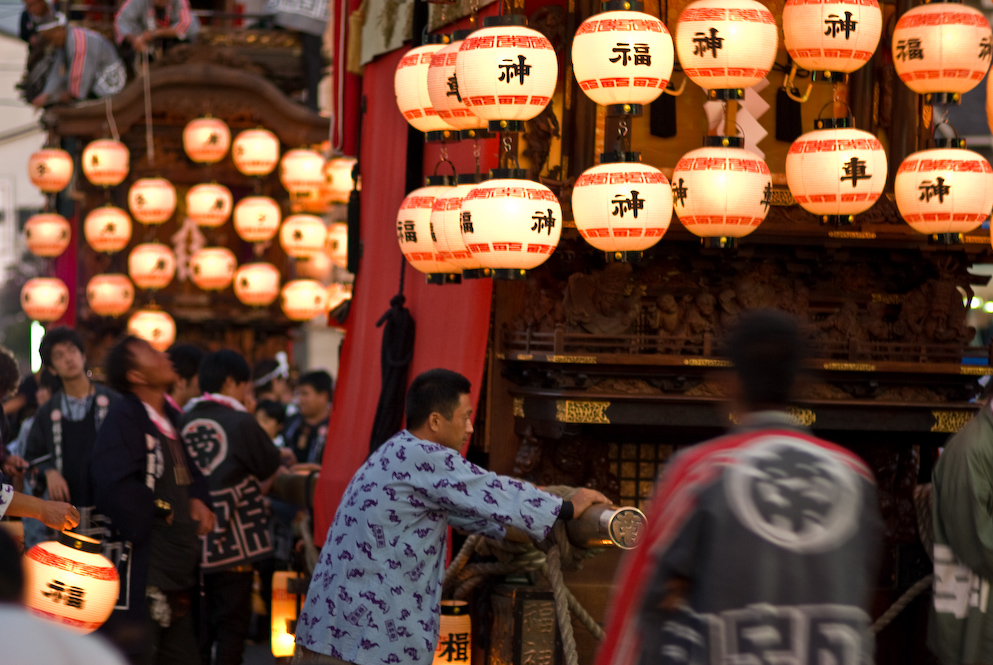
x=336 y=244
x=110 y=294
x=944 y=191
x=443 y=87
x=511 y=224
x=256 y=218
x=44 y=298
x=50 y=170
x=107 y=229
x=414 y=232
x=209 y=205
x=446 y=223
x=256 y=284
x=302 y=236
x=726 y=44
x=410 y=83
x=848 y=42
x=721 y=193
x=302 y=174
x=47 y=234
x=106 y=162
x=338 y=178
x=154 y=326
x=151 y=265
x=303 y=299
x=206 y=140
x=836 y=171
x=284 y=612
x=337 y=294
x=69 y=582
x=255 y=152
x=212 y=268
x=152 y=200
x=455 y=635
x=622 y=57
x=942 y=49
x=622 y=206
x=506 y=72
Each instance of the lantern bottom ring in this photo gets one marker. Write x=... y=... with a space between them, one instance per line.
x=725 y=94
x=623 y=257
x=838 y=220
x=945 y=239
x=444 y=278
x=509 y=273
x=477 y=273
x=506 y=125
x=719 y=242
x=442 y=136
x=943 y=98
x=467 y=134
x=633 y=110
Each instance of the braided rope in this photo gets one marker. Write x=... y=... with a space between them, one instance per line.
x=908 y=596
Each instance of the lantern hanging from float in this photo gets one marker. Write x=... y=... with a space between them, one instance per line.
x=256 y=284
x=152 y=201
x=302 y=236
x=47 y=234
x=302 y=174
x=416 y=235
x=833 y=36
x=212 y=268
x=69 y=582
x=337 y=294
x=255 y=152
x=446 y=224
x=110 y=294
x=106 y=162
x=338 y=179
x=410 y=83
x=107 y=229
x=50 y=170
x=506 y=72
x=836 y=171
x=622 y=57
x=151 y=265
x=206 y=140
x=154 y=326
x=455 y=634
x=443 y=89
x=209 y=204
x=44 y=298
x=257 y=218
x=336 y=244
x=511 y=224
x=721 y=192
x=303 y=299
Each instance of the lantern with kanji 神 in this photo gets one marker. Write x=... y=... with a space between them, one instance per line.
x=212 y=268
x=50 y=170
x=209 y=204
x=622 y=57
x=47 y=234
x=338 y=180
x=446 y=224
x=836 y=171
x=832 y=36
x=255 y=152
x=44 y=298
x=336 y=244
x=206 y=140
x=151 y=265
x=622 y=205
x=506 y=72
x=302 y=175
x=443 y=88
x=511 y=224
x=256 y=218
x=303 y=299
x=941 y=50
x=455 y=634
x=410 y=83
x=944 y=192
x=69 y=582
x=721 y=192
x=302 y=236
x=152 y=200
x=416 y=235
x=256 y=284
x=110 y=294
x=154 y=326
x=107 y=229
x=106 y=162
x=726 y=45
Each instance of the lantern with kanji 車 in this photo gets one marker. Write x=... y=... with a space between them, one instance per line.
x=410 y=83
x=302 y=236
x=110 y=294
x=443 y=88
x=209 y=204
x=106 y=162
x=256 y=218
x=416 y=235
x=455 y=634
x=303 y=299
x=107 y=229
x=256 y=284
x=446 y=225
x=302 y=174
x=151 y=265
x=255 y=152
x=206 y=140
x=152 y=200
x=44 y=298
x=212 y=268
x=47 y=234
x=832 y=36
x=154 y=326
x=50 y=170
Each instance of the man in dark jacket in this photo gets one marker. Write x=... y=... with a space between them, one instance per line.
x=306 y=434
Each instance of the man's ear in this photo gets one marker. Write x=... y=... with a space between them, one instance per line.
x=434 y=421
x=135 y=377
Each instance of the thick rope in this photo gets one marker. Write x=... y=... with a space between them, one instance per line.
x=554 y=560
x=908 y=596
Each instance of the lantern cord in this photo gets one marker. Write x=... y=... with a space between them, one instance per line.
x=337 y=114
x=508 y=151
x=475 y=155
x=148 y=108
x=110 y=120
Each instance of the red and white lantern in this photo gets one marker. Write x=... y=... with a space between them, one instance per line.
x=302 y=174
x=832 y=35
x=256 y=218
x=255 y=152
x=338 y=180
x=414 y=230
x=337 y=294
x=256 y=284
x=44 y=298
x=206 y=140
x=107 y=229
x=302 y=236
x=154 y=326
x=152 y=200
x=50 y=170
x=410 y=83
x=303 y=299
x=110 y=294
x=209 y=204
x=47 y=234
x=151 y=265
x=106 y=162
x=212 y=268
x=336 y=244
x=443 y=88
x=446 y=223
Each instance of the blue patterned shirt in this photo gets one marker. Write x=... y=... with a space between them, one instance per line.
x=376 y=591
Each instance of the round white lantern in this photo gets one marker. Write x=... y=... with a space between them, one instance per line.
x=302 y=235
x=152 y=200
x=107 y=229
x=443 y=87
x=255 y=152
x=721 y=192
x=106 y=162
x=446 y=224
x=836 y=171
x=944 y=191
x=303 y=299
x=212 y=268
x=206 y=140
x=47 y=234
x=256 y=284
x=110 y=294
x=622 y=206
x=151 y=265
x=726 y=44
x=338 y=179
x=44 y=298
x=835 y=36
x=256 y=218
x=69 y=582
x=622 y=57
x=416 y=235
x=209 y=205
x=511 y=224
x=336 y=244
x=50 y=170
x=506 y=71
x=942 y=48
x=302 y=174
x=410 y=83
x=337 y=294
x=154 y=326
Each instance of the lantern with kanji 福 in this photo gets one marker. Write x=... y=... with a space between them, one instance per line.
x=410 y=83
x=152 y=200
x=106 y=162
x=256 y=218
x=721 y=192
x=511 y=224
x=110 y=294
x=154 y=326
x=50 y=170
x=44 y=298
x=303 y=299
x=255 y=152
x=151 y=265
x=836 y=171
x=416 y=235
x=455 y=634
x=832 y=36
x=446 y=224
x=302 y=236
x=209 y=204
x=338 y=181
x=256 y=284
x=443 y=88
x=206 y=140
x=302 y=174
x=622 y=205
x=47 y=234
x=212 y=268
x=107 y=229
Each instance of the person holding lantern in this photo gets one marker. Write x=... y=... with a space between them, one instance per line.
x=89 y=65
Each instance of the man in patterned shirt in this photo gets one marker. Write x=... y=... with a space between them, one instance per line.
x=376 y=591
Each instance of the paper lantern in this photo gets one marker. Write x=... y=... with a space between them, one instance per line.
x=107 y=229
x=106 y=162
x=151 y=265
x=303 y=299
x=721 y=192
x=336 y=244
x=416 y=236
x=942 y=48
x=726 y=44
x=622 y=57
x=410 y=83
x=284 y=612
x=836 y=171
x=44 y=298
x=69 y=582
x=835 y=35
x=511 y=224
x=302 y=174
x=255 y=152
x=944 y=190
x=47 y=234
x=212 y=268
x=302 y=235
x=506 y=71
x=206 y=140
x=338 y=179
x=622 y=206
x=443 y=87
x=152 y=200
x=446 y=224
x=256 y=284
x=209 y=205
x=256 y=218
x=337 y=294
x=154 y=326
x=110 y=294
x=50 y=170
x=455 y=635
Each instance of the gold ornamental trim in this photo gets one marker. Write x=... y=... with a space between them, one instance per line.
x=569 y=411
x=576 y=360
x=707 y=362
x=799 y=416
x=887 y=298
x=853 y=235
x=975 y=370
x=524 y=356
x=950 y=421
x=975 y=240
x=518 y=407
x=850 y=367
x=781 y=197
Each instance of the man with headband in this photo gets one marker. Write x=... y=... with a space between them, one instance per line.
x=87 y=67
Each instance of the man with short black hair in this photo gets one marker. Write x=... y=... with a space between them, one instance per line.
x=87 y=66
x=306 y=434
x=185 y=359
